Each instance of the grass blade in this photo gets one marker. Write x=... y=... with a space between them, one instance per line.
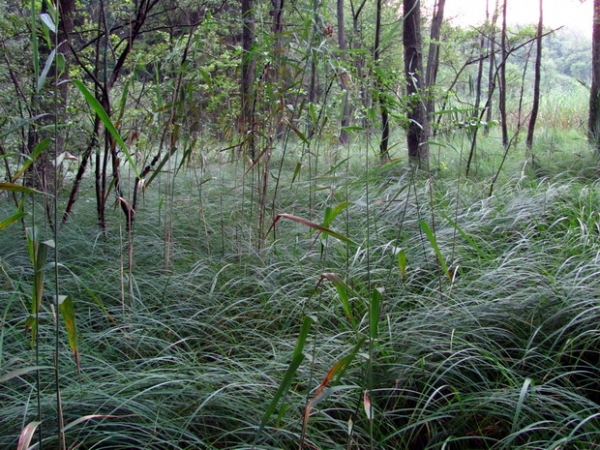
x=22 y=371
x=27 y=435
x=436 y=248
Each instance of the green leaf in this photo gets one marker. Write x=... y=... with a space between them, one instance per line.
x=103 y=115
x=374 y=311
x=47 y=66
x=296 y=171
x=38 y=253
x=37 y=151
x=297 y=358
x=13 y=187
x=333 y=213
x=468 y=238
x=402 y=263
x=12 y=219
x=67 y=311
x=344 y=291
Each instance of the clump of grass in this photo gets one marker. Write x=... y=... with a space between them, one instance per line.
x=484 y=335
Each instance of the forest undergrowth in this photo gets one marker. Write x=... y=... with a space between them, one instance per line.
x=383 y=310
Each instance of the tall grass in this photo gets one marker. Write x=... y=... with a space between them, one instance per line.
x=501 y=354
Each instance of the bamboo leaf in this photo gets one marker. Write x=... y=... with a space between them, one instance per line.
x=37 y=151
x=402 y=263
x=47 y=20
x=38 y=253
x=311 y=225
x=12 y=219
x=374 y=311
x=13 y=187
x=343 y=290
x=298 y=133
x=297 y=358
x=103 y=115
x=47 y=66
x=296 y=171
x=467 y=238
x=334 y=212
x=67 y=311
x=21 y=125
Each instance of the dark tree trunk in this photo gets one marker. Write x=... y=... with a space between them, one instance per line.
x=107 y=164
x=418 y=127
x=536 y=84
x=502 y=83
x=277 y=71
x=383 y=107
x=594 y=119
x=359 y=61
x=247 y=84
x=343 y=45
x=433 y=57
x=312 y=83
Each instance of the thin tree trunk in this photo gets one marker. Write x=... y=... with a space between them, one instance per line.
x=343 y=46
x=277 y=72
x=492 y=68
x=536 y=85
x=594 y=119
x=359 y=62
x=502 y=84
x=479 y=83
x=247 y=84
x=385 y=120
x=312 y=83
x=418 y=127
x=433 y=57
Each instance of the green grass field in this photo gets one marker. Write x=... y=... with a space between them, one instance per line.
x=429 y=315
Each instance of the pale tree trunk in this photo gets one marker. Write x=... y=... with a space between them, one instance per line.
x=536 y=85
x=418 y=127
x=480 y=64
x=594 y=119
x=492 y=67
x=433 y=57
x=344 y=80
